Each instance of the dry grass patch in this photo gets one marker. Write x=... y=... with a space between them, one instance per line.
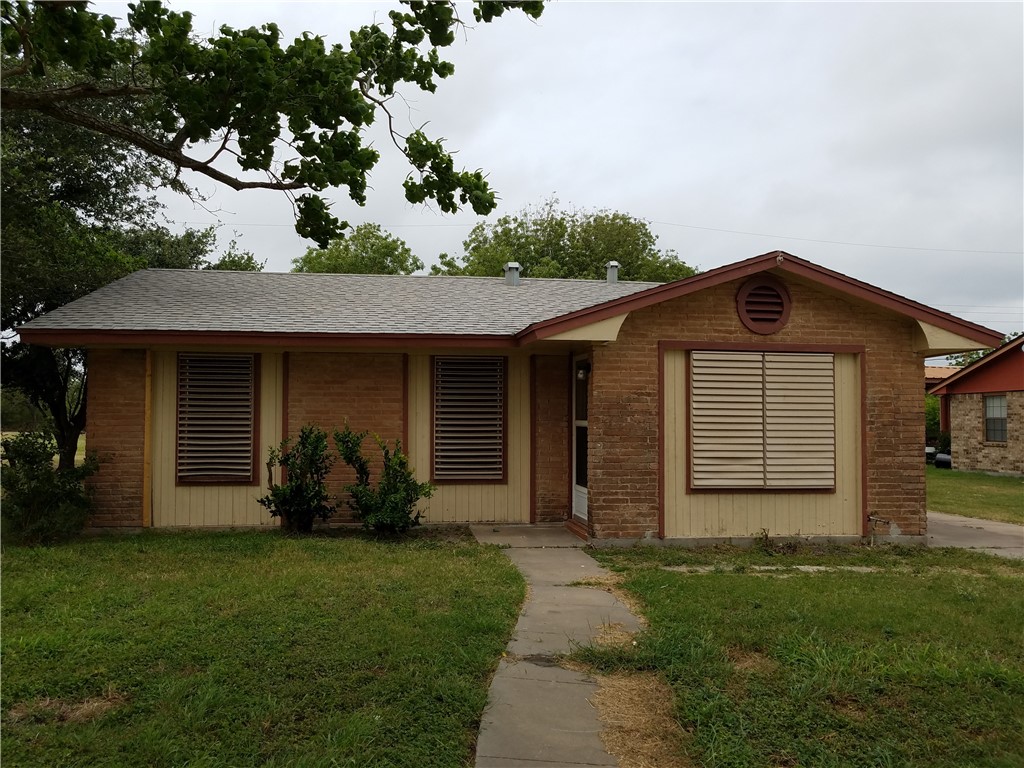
x=56 y=710
x=614 y=634
x=639 y=729
x=751 y=661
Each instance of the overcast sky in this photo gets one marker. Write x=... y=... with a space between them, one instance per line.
x=735 y=129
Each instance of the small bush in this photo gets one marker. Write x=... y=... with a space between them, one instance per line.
x=302 y=497
x=40 y=504
x=390 y=507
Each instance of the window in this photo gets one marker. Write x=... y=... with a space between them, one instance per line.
x=216 y=418
x=469 y=419
x=995 y=418
x=762 y=420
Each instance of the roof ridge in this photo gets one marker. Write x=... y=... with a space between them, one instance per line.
x=306 y=275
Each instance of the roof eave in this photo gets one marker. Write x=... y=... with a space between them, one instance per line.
x=148 y=338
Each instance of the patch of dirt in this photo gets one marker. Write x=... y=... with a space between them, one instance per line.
x=849 y=708
x=639 y=729
x=58 y=710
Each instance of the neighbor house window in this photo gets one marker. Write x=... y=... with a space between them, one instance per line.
x=995 y=418
x=216 y=418
x=762 y=420
x=469 y=419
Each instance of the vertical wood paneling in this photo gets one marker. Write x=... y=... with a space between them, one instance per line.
x=707 y=514
x=209 y=505
x=474 y=502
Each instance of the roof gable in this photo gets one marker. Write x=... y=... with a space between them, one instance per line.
x=778 y=261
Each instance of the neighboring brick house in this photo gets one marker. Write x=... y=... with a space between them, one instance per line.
x=771 y=395
x=982 y=408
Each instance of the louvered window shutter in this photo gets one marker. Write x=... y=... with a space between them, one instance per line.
x=727 y=419
x=800 y=421
x=216 y=415
x=762 y=420
x=469 y=418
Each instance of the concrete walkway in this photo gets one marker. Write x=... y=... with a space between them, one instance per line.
x=539 y=714
x=1003 y=539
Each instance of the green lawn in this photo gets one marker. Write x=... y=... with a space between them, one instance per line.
x=251 y=648
x=920 y=662
x=974 y=494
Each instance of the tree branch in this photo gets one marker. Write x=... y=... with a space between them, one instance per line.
x=11 y=98
x=157 y=148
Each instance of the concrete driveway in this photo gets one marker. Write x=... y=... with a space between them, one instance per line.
x=1003 y=539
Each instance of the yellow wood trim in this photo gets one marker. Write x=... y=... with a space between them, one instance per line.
x=602 y=330
x=147 y=447
x=930 y=340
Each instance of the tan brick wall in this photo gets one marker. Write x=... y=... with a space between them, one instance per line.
x=551 y=438
x=967 y=433
x=115 y=432
x=624 y=400
x=327 y=388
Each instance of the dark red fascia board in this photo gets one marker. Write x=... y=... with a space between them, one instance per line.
x=149 y=338
x=967 y=370
x=778 y=260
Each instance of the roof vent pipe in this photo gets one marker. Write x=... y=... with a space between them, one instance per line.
x=512 y=273
x=613 y=271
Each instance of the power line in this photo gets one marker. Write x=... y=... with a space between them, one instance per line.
x=986 y=306
x=837 y=242
x=663 y=223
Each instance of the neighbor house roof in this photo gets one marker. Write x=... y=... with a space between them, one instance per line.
x=933 y=374
x=165 y=306
x=979 y=366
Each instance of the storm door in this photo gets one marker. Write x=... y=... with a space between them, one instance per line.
x=581 y=382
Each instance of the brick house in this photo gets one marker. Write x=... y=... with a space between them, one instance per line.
x=768 y=395
x=982 y=407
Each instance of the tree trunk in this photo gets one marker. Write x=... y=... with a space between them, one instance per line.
x=67 y=447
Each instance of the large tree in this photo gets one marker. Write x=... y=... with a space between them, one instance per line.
x=548 y=241
x=75 y=214
x=240 y=101
x=368 y=250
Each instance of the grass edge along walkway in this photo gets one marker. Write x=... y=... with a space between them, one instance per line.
x=917 y=661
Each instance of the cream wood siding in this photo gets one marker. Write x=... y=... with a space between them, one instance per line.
x=209 y=505
x=507 y=502
x=725 y=514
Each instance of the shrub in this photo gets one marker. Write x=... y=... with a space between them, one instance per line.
x=40 y=504
x=302 y=497
x=390 y=507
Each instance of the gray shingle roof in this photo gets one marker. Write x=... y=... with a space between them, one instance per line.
x=268 y=302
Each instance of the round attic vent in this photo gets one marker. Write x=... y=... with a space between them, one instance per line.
x=763 y=304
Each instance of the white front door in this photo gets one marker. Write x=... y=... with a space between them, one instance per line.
x=581 y=384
